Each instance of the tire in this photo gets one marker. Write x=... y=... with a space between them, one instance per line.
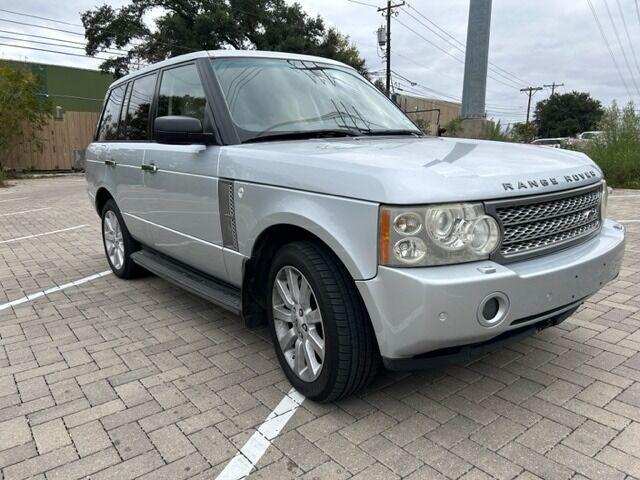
x=115 y=236
x=350 y=357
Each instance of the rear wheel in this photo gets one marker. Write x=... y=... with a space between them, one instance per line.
x=118 y=243
x=321 y=330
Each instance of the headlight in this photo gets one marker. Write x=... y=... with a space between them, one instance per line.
x=436 y=235
x=604 y=201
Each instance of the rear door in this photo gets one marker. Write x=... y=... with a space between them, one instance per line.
x=180 y=181
x=120 y=165
x=127 y=154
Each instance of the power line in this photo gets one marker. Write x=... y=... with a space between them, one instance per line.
x=438 y=47
x=460 y=49
x=624 y=54
x=41 y=18
x=496 y=67
x=49 y=44
x=608 y=45
x=108 y=50
x=363 y=3
x=52 y=51
x=41 y=26
x=626 y=31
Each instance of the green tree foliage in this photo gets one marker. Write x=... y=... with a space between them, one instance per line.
x=617 y=150
x=181 y=26
x=494 y=131
x=20 y=104
x=567 y=115
x=523 y=132
x=454 y=127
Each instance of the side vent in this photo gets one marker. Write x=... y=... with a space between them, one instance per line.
x=226 y=202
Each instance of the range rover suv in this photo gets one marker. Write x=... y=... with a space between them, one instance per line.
x=290 y=191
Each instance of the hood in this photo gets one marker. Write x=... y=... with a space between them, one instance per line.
x=409 y=170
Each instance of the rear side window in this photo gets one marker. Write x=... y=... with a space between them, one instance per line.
x=181 y=93
x=108 y=129
x=137 y=117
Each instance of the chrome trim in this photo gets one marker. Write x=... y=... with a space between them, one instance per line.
x=562 y=233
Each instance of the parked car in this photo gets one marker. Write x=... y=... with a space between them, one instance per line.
x=589 y=135
x=288 y=190
x=551 y=142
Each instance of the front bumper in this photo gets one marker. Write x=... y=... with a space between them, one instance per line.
x=420 y=310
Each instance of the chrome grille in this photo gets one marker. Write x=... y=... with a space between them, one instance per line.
x=544 y=223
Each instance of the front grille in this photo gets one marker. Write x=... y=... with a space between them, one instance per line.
x=545 y=223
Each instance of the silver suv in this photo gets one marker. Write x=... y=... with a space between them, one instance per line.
x=288 y=190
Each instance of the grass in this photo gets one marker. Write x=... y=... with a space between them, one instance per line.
x=617 y=152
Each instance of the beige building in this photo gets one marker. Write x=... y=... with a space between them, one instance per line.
x=427 y=111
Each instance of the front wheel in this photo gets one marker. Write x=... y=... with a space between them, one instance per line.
x=320 y=327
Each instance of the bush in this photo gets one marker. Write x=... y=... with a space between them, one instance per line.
x=617 y=150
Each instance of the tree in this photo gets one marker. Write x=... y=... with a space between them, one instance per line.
x=617 y=149
x=21 y=103
x=567 y=115
x=181 y=26
x=523 y=132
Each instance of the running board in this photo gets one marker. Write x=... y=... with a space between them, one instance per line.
x=199 y=284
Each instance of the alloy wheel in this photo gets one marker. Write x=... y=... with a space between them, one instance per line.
x=298 y=323
x=113 y=239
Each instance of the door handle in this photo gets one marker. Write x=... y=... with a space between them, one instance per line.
x=151 y=167
x=110 y=163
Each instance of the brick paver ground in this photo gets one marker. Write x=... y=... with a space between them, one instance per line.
x=113 y=379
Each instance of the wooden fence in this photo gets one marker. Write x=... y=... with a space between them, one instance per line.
x=61 y=143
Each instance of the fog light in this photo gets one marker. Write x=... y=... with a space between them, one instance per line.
x=493 y=309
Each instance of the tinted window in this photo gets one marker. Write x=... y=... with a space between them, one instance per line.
x=109 y=124
x=137 y=118
x=181 y=93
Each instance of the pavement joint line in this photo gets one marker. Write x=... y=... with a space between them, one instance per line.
x=42 y=293
x=42 y=234
x=14 y=199
x=250 y=454
x=24 y=211
x=624 y=196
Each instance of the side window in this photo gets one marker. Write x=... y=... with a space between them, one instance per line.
x=108 y=129
x=181 y=93
x=137 y=118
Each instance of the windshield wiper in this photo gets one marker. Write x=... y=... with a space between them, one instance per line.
x=303 y=135
x=415 y=133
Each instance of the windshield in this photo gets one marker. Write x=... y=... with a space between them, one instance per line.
x=277 y=97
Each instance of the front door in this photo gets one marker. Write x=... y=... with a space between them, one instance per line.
x=180 y=181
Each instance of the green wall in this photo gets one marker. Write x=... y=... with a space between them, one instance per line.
x=73 y=89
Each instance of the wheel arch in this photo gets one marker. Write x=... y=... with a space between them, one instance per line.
x=103 y=195
x=256 y=267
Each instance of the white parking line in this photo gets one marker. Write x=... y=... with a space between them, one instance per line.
x=250 y=454
x=14 y=199
x=42 y=234
x=24 y=211
x=624 y=196
x=628 y=221
x=42 y=293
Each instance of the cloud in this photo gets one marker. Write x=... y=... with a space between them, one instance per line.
x=539 y=41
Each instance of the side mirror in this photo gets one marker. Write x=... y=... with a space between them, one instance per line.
x=180 y=130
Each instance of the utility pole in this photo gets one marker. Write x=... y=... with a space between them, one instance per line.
x=474 y=90
x=388 y=11
x=531 y=92
x=553 y=87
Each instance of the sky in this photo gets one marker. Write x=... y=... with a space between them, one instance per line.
x=533 y=43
